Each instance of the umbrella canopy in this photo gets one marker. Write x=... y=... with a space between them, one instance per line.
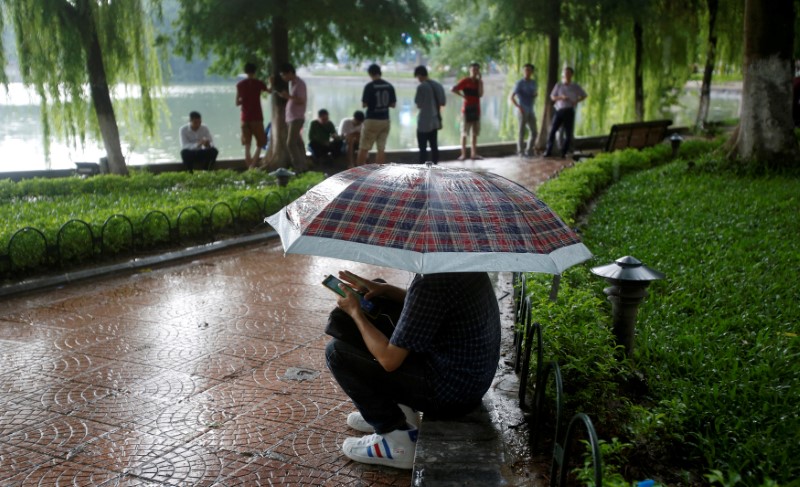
x=428 y=219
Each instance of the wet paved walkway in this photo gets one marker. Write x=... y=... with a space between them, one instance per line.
x=209 y=372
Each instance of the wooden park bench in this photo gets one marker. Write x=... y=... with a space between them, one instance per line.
x=635 y=135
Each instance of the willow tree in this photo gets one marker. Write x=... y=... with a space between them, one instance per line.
x=67 y=46
x=723 y=50
x=764 y=138
x=239 y=31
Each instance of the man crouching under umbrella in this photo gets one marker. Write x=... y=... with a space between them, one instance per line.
x=439 y=359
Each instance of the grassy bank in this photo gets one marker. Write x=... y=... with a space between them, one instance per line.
x=712 y=393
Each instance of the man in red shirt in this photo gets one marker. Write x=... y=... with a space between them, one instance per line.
x=471 y=89
x=248 y=97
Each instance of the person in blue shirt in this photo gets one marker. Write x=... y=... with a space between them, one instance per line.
x=523 y=96
x=377 y=98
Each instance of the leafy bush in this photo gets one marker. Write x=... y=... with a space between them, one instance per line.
x=717 y=346
x=142 y=209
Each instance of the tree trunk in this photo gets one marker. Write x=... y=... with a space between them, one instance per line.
x=638 y=78
x=553 y=75
x=278 y=155
x=711 y=55
x=765 y=136
x=101 y=96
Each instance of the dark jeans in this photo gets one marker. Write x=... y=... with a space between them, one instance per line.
x=376 y=393
x=203 y=158
x=422 y=141
x=565 y=117
x=334 y=149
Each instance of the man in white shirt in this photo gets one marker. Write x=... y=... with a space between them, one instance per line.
x=350 y=131
x=197 y=145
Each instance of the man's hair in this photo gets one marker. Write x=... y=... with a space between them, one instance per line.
x=374 y=70
x=569 y=68
x=193 y=115
x=359 y=115
x=529 y=65
x=287 y=68
x=250 y=68
x=420 y=71
x=322 y=112
x=475 y=65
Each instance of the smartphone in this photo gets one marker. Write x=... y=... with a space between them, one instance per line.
x=332 y=283
x=368 y=306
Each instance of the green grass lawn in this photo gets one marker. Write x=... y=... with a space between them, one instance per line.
x=716 y=366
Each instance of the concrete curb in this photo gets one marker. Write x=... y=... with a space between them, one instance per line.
x=70 y=277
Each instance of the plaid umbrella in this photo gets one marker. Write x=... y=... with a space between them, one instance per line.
x=428 y=219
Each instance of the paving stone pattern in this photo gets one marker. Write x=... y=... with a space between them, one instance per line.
x=206 y=373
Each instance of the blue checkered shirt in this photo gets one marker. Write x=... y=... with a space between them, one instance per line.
x=454 y=321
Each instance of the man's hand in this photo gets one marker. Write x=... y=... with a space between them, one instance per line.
x=350 y=303
x=369 y=289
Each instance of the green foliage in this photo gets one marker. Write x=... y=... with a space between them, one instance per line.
x=717 y=344
x=123 y=210
x=568 y=194
x=236 y=32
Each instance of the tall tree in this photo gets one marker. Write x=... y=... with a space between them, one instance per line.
x=238 y=31
x=765 y=136
x=65 y=45
x=708 y=70
x=723 y=26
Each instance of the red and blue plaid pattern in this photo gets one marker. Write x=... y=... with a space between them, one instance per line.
x=430 y=209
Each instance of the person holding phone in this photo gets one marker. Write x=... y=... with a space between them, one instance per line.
x=440 y=359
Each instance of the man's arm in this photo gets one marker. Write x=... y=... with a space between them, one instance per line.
x=185 y=142
x=389 y=356
x=206 y=140
x=513 y=98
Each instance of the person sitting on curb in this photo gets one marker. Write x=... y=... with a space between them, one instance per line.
x=350 y=132
x=440 y=359
x=323 y=141
x=197 y=145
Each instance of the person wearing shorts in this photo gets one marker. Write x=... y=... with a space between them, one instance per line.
x=471 y=89
x=248 y=97
x=377 y=98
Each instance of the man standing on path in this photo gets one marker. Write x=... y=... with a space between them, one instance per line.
x=248 y=97
x=377 y=98
x=523 y=97
x=430 y=98
x=197 y=145
x=471 y=89
x=295 y=116
x=566 y=96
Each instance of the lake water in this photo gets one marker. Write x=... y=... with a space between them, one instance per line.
x=21 y=130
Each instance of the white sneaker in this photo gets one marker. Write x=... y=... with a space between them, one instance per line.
x=394 y=449
x=358 y=423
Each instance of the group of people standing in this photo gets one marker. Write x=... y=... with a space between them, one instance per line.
x=358 y=134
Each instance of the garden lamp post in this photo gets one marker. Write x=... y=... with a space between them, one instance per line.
x=629 y=279
x=675 y=140
x=282 y=175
